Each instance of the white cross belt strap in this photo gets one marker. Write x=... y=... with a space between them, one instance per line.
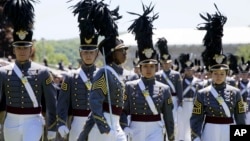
x=220 y=101
x=26 y=84
x=169 y=82
x=148 y=97
x=244 y=87
x=113 y=71
x=190 y=86
x=85 y=79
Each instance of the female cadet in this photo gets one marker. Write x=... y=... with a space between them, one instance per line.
x=107 y=92
x=75 y=90
x=147 y=99
x=218 y=105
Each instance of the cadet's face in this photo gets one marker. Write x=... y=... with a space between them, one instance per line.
x=244 y=76
x=22 y=53
x=148 y=70
x=120 y=55
x=189 y=72
x=89 y=56
x=166 y=65
x=219 y=76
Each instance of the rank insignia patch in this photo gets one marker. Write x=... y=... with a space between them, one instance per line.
x=197 y=107
x=241 y=106
x=64 y=86
x=100 y=84
x=48 y=80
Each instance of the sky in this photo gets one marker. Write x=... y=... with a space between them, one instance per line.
x=54 y=19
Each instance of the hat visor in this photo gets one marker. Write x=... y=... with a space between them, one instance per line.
x=148 y=61
x=120 y=46
x=166 y=61
x=219 y=67
x=88 y=47
x=22 y=44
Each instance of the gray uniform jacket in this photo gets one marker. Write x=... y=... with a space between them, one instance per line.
x=74 y=94
x=17 y=96
x=206 y=105
x=136 y=104
x=175 y=78
x=99 y=97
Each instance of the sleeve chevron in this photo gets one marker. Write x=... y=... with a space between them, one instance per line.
x=100 y=84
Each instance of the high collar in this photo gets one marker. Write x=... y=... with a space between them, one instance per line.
x=167 y=71
x=219 y=86
x=89 y=68
x=23 y=65
x=117 y=68
x=148 y=81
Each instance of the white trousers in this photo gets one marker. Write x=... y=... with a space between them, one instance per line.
x=184 y=132
x=76 y=127
x=216 y=132
x=248 y=118
x=147 y=131
x=23 y=127
x=95 y=134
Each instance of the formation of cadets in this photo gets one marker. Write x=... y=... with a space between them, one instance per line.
x=159 y=99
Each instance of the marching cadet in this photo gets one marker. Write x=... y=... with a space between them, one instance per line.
x=107 y=92
x=23 y=83
x=191 y=84
x=244 y=86
x=218 y=105
x=147 y=99
x=170 y=77
x=75 y=89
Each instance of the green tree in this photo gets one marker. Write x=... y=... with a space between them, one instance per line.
x=244 y=51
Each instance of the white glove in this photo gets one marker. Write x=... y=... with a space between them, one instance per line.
x=128 y=131
x=51 y=135
x=113 y=133
x=63 y=131
x=197 y=139
x=179 y=109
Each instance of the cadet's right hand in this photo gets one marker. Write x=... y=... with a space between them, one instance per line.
x=63 y=131
x=197 y=139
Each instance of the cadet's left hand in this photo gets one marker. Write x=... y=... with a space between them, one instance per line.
x=51 y=135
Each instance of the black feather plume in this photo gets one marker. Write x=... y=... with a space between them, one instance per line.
x=20 y=13
x=213 y=37
x=143 y=27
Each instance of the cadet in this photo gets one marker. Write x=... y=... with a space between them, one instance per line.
x=147 y=99
x=218 y=105
x=191 y=85
x=23 y=83
x=107 y=92
x=170 y=77
x=75 y=89
x=244 y=86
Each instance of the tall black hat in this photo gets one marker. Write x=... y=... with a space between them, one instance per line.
x=21 y=14
x=244 y=66
x=143 y=30
x=186 y=62
x=105 y=23
x=213 y=57
x=197 y=65
x=88 y=35
x=232 y=61
x=162 y=45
